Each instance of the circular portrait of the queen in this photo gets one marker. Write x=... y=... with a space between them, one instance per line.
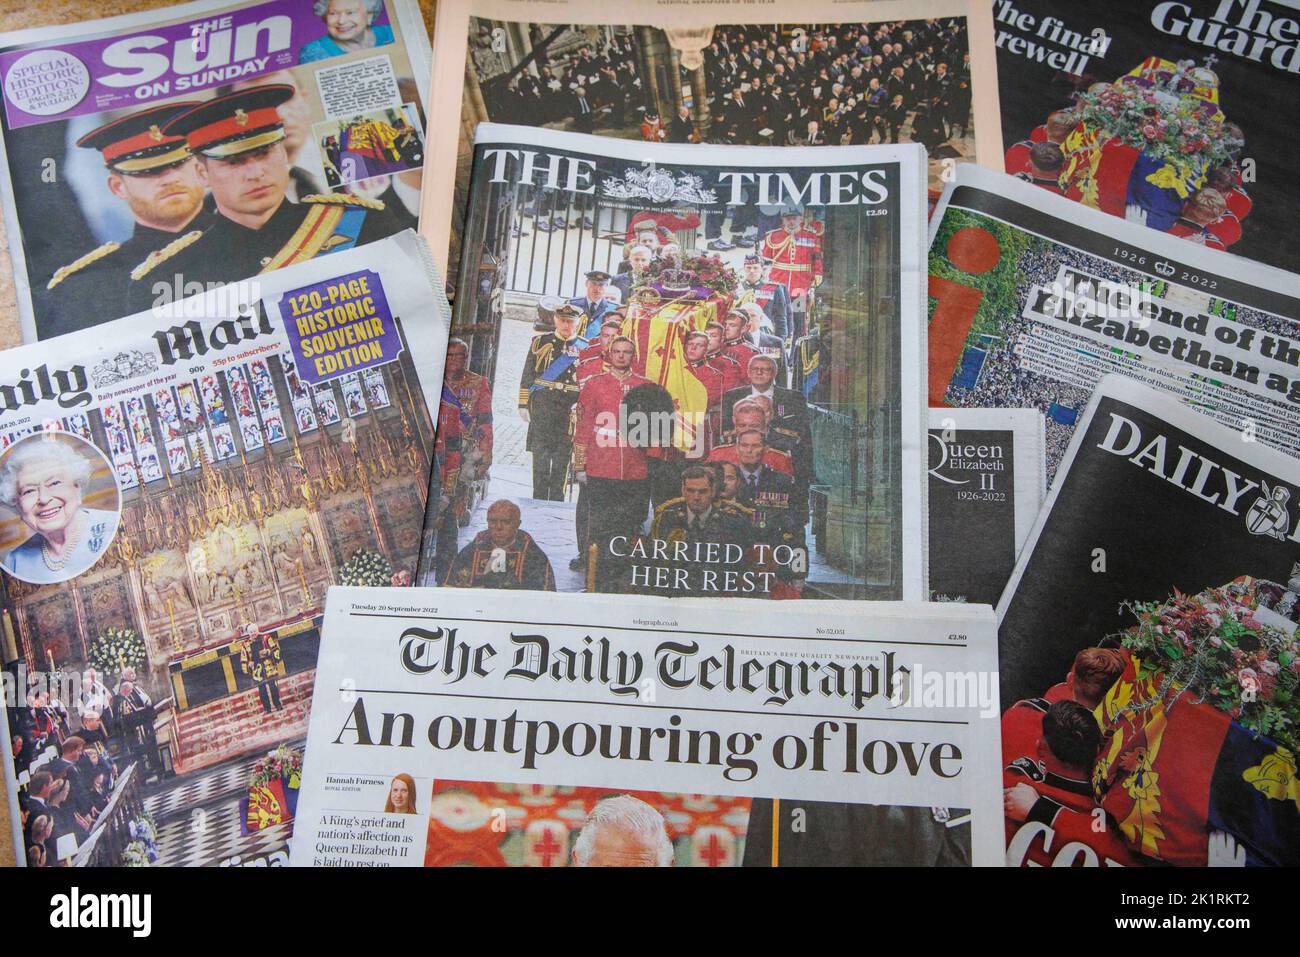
x=61 y=507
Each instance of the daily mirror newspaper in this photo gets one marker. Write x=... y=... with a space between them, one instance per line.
x=986 y=484
x=145 y=157
x=816 y=74
x=1150 y=657
x=625 y=410
x=1168 y=114
x=179 y=489
x=447 y=730
x=1035 y=298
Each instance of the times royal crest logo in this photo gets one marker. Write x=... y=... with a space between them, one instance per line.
x=659 y=186
x=1262 y=506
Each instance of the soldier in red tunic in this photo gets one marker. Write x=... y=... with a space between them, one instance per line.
x=735 y=346
x=614 y=471
x=1205 y=219
x=795 y=252
x=594 y=359
x=1048 y=798
x=447 y=450
x=732 y=373
x=714 y=380
x=475 y=395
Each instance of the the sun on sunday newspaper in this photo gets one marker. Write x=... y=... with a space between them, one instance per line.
x=1034 y=299
x=177 y=492
x=615 y=732
x=639 y=413
x=819 y=74
x=145 y=157
x=1149 y=647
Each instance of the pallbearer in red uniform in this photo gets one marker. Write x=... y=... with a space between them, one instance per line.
x=795 y=252
x=474 y=393
x=615 y=472
x=713 y=379
x=735 y=346
x=592 y=361
x=1048 y=797
x=732 y=374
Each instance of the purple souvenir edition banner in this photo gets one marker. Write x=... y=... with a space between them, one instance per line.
x=340 y=325
x=56 y=81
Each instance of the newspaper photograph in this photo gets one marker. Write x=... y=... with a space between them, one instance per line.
x=1034 y=299
x=986 y=484
x=179 y=489
x=605 y=733
x=1164 y=114
x=821 y=74
x=1148 y=641
x=636 y=413
x=185 y=147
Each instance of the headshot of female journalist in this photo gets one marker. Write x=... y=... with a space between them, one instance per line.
x=401 y=795
x=349 y=26
x=45 y=479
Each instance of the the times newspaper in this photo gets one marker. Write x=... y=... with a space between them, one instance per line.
x=178 y=491
x=146 y=157
x=819 y=74
x=450 y=730
x=986 y=484
x=1165 y=114
x=1035 y=298
x=1154 y=612
x=637 y=413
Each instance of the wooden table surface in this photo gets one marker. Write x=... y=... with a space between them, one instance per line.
x=20 y=15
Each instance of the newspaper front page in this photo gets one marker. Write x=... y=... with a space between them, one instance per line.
x=179 y=489
x=643 y=414
x=147 y=157
x=1148 y=641
x=820 y=74
x=986 y=484
x=1034 y=299
x=1165 y=114
x=447 y=730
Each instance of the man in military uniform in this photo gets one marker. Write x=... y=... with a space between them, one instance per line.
x=699 y=516
x=263 y=662
x=548 y=389
x=733 y=376
x=448 y=452
x=615 y=472
x=504 y=556
x=239 y=141
x=1048 y=798
x=770 y=296
x=747 y=415
x=156 y=176
x=595 y=305
x=736 y=345
x=795 y=252
x=789 y=419
x=714 y=380
x=592 y=361
x=769 y=492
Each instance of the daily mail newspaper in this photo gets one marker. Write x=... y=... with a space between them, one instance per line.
x=1168 y=114
x=626 y=410
x=1149 y=647
x=447 y=730
x=146 y=157
x=821 y=73
x=179 y=489
x=1036 y=298
x=986 y=483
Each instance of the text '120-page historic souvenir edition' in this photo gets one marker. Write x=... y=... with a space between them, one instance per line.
x=446 y=731
x=177 y=491
x=633 y=412
x=823 y=73
x=147 y=157
x=1158 y=597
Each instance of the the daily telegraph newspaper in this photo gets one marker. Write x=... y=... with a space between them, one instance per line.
x=178 y=491
x=822 y=73
x=1150 y=657
x=1036 y=298
x=986 y=484
x=146 y=157
x=628 y=411
x=1164 y=113
x=449 y=730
